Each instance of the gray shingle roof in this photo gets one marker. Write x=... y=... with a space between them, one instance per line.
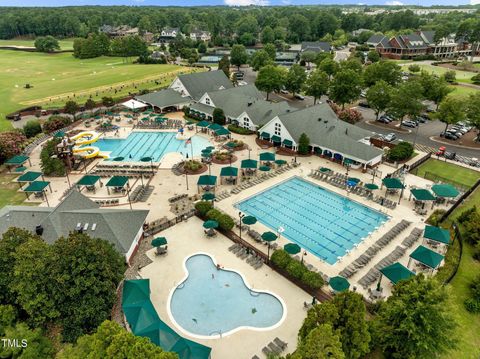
x=323 y=128
x=316 y=46
x=375 y=39
x=163 y=98
x=118 y=226
x=428 y=36
x=261 y=111
x=200 y=82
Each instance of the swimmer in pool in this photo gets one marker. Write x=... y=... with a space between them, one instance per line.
x=194 y=320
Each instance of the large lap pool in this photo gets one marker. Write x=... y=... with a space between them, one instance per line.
x=212 y=302
x=150 y=144
x=320 y=221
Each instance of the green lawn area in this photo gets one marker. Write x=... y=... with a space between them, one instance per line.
x=462 y=91
x=56 y=78
x=9 y=194
x=456 y=173
x=462 y=76
x=66 y=44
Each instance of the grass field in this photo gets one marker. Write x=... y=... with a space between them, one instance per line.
x=57 y=78
x=454 y=172
x=462 y=91
x=462 y=76
x=66 y=44
x=9 y=194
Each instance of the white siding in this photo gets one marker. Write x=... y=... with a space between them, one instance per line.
x=284 y=134
x=206 y=100
x=177 y=85
x=134 y=245
x=245 y=122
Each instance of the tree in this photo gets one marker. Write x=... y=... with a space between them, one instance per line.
x=329 y=66
x=107 y=101
x=224 y=65
x=321 y=343
x=379 y=97
x=373 y=56
x=267 y=36
x=37 y=345
x=11 y=144
x=303 y=144
x=71 y=107
x=295 y=79
x=270 y=78
x=434 y=88
x=354 y=64
x=450 y=111
x=415 y=321
x=247 y=39
x=407 y=100
x=260 y=59
x=32 y=128
x=46 y=44
x=450 y=76
x=317 y=84
x=387 y=71
x=345 y=87
x=238 y=56
x=308 y=57
x=218 y=116
x=112 y=341
x=324 y=313
x=271 y=51
x=469 y=30
x=473 y=110
x=414 y=68
x=90 y=104
x=202 y=47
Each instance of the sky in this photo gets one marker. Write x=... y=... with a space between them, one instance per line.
x=229 y=2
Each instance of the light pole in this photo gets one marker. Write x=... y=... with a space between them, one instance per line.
x=240 y=216
x=415 y=138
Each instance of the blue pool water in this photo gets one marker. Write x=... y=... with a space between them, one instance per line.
x=209 y=306
x=320 y=221
x=150 y=144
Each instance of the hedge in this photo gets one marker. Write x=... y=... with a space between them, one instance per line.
x=32 y=128
x=203 y=207
x=402 y=151
x=296 y=269
x=51 y=166
x=240 y=130
x=225 y=222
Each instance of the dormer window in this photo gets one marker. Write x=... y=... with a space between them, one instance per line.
x=207 y=101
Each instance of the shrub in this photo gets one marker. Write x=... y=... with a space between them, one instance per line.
x=472 y=304
x=186 y=111
x=303 y=144
x=192 y=165
x=225 y=222
x=476 y=79
x=55 y=123
x=296 y=269
x=467 y=214
x=281 y=258
x=400 y=152
x=51 y=166
x=312 y=279
x=218 y=116
x=450 y=76
x=434 y=218
x=203 y=207
x=11 y=144
x=240 y=130
x=414 y=68
x=108 y=101
x=71 y=107
x=471 y=229
x=32 y=128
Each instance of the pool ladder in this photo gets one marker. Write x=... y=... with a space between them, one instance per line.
x=219 y=332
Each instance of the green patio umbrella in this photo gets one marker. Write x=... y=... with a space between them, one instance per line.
x=267 y=156
x=98 y=117
x=269 y=236
x=292 y=248
x=264 y=168
x=339 y=284
x=206 y=153
x=159 y=241
x=59 y=134
x=209 y=196
x=159 y=119
x=325 y=169
x=146 y=159
x=249 y=220
x=353 y=179
x=210 y=224
x=145 y=119
x=280 y=162
x=231 y=145
x=211 y=148
x=118 y=159
x=371 y=186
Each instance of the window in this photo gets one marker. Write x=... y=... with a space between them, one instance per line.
x=207 y=101
x=246 y=122
x=278 y=129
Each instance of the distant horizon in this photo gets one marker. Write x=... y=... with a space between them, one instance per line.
x=235 y=3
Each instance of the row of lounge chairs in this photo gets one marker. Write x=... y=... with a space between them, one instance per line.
x=107 y=202
x=177 y=198
x=412 y=237
x=275 y=347
x=108 y=165
x=222 y=195
x=122 y=172
x=381 y=243
x=166 y=125
x=141 y=193
x=385 y=202
x=263 y=178
x=251 y=256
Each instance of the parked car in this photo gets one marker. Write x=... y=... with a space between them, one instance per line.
x=390 y=137
x=455 y=132
x=299 y=97
x=449 y=136
x=422 y=119
x=364 y=104
x=285 y=92
x=409 y=123
x=450 y=155
x=384 y=119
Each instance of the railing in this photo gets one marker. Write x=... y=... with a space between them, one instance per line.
x=160 y=225
x=460 y=200
x=422 y=160
x=458 y=236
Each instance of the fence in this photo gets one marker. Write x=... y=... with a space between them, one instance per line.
x=460 y=200
x=415 y=165
x=458 y=237
x=162 y=224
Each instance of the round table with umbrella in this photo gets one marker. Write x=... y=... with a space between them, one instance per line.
x=158 y=243
x=269 y=237
x=118 y=159
x=264 y=168
x=208 y=196
x=148 y=159
x=280 y=162
x=210 y=225
x=371 y=186
x=249 y=220
x=325 y=170
x=339 y=284
x=292 y=248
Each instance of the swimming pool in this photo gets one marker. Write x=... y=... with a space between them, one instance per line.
x=150 y=144
x=212 y=302
x=320 y=221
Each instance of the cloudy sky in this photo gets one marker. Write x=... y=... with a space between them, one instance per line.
x=227 y=2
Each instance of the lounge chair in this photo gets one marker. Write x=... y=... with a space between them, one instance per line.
x=274 y=348
x=267 y=351
x=280 y=343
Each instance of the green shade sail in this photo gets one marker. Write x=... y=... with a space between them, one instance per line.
x=36 y=186
x=59 y=134
x=210 y=224
x=88 y=180
x=159 y=241
x=207 y=180
x=339 y=284
x=249 y=164
x=209 y=196
x=117 y=181
x=135 y=291
x=203 y=124
x=292 y=248
x=118 y=159
x=371 y=186
x=249 y=220
x=276 y=138
x=269 y=236
x=229 y=172
x=445 y=190
x=437 y=234
x=29 y=176
x=287 y=143
x=426 y=256
x=145 y=119
x=214 y=126
x=265 y=135
x=422 y=194
x=267 y=156
x=222 y=132
x=280 y=162
x=393 y=183
x=17 y=160
x=264 y=168
x=396 y=272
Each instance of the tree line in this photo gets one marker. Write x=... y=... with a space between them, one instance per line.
x=100 y=45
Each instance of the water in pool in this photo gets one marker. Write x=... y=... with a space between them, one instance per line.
x=320 y=221
x=212 y=301
x=151 y=144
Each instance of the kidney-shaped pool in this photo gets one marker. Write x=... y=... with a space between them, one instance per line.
x=212 y=302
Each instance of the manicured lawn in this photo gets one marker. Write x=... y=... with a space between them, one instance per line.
x=66 y=44
x=9 y=194
x=57 y=78
x=462 y=91
x=454 y=172
x=462 y=76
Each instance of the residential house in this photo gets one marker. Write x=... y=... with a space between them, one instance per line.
x=121 y=227
x=200 y=35
x=375 y=39
x=170 y=32
x=403 y=46
x=317 y=46
x=123 y=31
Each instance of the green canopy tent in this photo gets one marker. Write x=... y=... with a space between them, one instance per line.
x=203 y=124
x=339 y=284
x=395 y=273
x=214 y=126
x=422 y=195
x=29 y=176
x=207 y=182
x=17 y=161
x=230 y=172
x=88 y=181
x=427 y=257
x=38 y=187
x=118 y=182
x=20 y=169
x=292 y=248
x=269 y=237
x=267 y=156
x=59 y=134
x=249 y=165
x=437 y=234
x=206 y=153
x=222 y=132
x=392 y=183
x=445 y=190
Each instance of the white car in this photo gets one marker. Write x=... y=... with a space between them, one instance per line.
x=285 y=92
x=390 y=137
x=242 y=83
